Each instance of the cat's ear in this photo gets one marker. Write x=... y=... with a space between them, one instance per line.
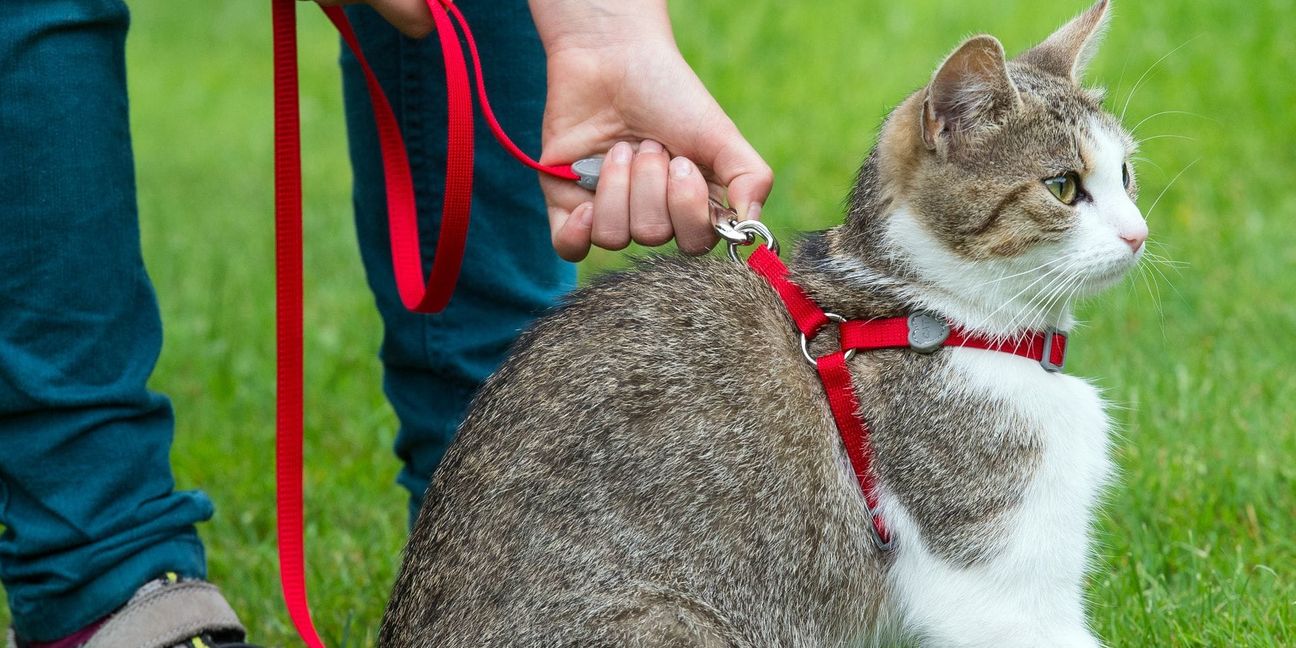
x=970 y=90
x=1069 y=49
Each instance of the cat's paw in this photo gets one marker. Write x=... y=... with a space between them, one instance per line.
x=1074 y=639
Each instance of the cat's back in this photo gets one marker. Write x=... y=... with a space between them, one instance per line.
x=655 y=455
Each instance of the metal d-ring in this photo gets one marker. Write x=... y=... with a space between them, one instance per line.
x=749 y=229
x=883 y=544
x=805 y=340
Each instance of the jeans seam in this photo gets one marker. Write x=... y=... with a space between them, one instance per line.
x=412 y=96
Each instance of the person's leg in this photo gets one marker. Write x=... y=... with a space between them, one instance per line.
x=86 y=493
x=434 y=363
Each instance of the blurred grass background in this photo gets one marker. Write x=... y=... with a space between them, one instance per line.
x=1197 y=538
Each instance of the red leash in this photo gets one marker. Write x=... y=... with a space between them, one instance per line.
x=921 y=332
x=432 y=295
x=418 y=295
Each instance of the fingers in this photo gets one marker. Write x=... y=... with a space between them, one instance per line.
x=569 y=225
x=612 y=200
x=571 y=231
x=650 y=222
x=643 y=196
x=690 y=214
x=411 y=17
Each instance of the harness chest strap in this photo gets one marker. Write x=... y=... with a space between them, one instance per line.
x=921 y=332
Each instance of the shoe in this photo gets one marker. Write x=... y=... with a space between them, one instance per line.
x=169 y=612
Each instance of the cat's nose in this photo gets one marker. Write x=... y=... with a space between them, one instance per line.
x=1134 y=239
x=1134 y=231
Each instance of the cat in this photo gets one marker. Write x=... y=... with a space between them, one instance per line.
x=656 y=464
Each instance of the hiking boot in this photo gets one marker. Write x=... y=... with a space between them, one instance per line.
x=169 y=612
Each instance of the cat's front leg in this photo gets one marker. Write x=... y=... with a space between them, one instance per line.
x=1017 y=593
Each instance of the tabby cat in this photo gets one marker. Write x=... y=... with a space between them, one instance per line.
x=656 y=464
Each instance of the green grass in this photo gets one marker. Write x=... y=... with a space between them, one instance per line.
x=1197 y=541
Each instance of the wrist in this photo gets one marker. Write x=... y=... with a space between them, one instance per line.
x=598 y=24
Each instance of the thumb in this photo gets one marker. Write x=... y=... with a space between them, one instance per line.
x=736 y=165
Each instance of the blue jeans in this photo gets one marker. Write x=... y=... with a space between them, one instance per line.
x=87 y=498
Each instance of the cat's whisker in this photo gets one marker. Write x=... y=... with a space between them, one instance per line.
x=1068 y=292
x=1057 y=300
x=1168 y=185
x=1163 y=276
x=1169 y=112
x=1153 y=287
x=1155 y=268
x=1159 y=260
x=1037 y=309
x=997 y=290
x=1065 y=297
x=1140 y=158
x=1152 y=67
x=1061 y=276
x=986 y=320
x=1015 y=274
x=1167 y=136
x=1155 y=296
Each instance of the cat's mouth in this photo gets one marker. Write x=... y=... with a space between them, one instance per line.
x=1104 y=277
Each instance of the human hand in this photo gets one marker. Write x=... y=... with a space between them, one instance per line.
x=411 y=17
x=617 y=83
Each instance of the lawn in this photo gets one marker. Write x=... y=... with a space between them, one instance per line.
x=1197 y=538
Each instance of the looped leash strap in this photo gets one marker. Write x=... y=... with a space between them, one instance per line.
x=416 y=294
x=434 y=295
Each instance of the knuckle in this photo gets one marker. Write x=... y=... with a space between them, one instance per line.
x=652 y=233
x=611 y=240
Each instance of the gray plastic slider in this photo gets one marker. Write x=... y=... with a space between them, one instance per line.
x=588 y=169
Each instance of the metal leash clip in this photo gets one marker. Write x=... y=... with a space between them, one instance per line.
x=724 y=219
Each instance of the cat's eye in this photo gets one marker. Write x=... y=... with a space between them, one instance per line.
x=1125 y=175
x=1065 y=187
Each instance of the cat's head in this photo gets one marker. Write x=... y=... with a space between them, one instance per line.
x=1004 y=185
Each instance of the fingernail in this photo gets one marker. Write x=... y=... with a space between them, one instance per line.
x=650 y=146
x=681 y=167
x=621 y=153
x=754 y=211
x=585 y=214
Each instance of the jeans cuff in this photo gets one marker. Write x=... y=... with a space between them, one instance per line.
x=55 y=618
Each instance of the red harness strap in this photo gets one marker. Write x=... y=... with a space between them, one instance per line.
x=1049 y=348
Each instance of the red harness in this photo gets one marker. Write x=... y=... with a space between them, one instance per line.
x=920 y=331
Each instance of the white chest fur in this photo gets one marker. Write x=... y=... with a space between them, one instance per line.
x=1029 y=592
